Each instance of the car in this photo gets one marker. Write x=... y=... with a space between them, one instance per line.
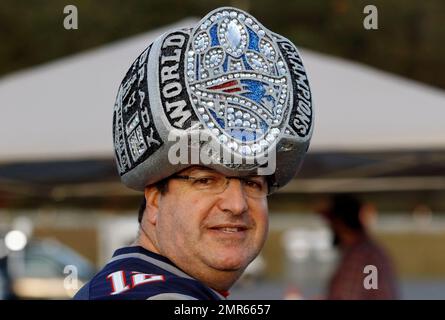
x=43 y=269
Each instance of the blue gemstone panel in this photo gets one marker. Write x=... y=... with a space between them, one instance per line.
x=253 y=40
x=197 y=67
x=225 y=63
x=219 y=120
x=214 y=35
x=246 y=64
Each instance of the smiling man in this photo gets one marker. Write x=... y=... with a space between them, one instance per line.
x=216 y=232
x=208 y=121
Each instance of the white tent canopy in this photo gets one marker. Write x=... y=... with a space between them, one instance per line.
x=361 y=108
x=63 y=109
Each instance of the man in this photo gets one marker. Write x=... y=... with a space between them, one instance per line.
x=208 y=121
x=361 y=257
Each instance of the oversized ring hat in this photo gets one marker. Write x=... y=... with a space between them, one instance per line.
x=228 y=94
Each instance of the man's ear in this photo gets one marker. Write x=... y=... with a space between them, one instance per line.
x=152 y=195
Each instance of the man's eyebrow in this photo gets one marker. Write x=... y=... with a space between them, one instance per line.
x=209 y=170
x=255 y=177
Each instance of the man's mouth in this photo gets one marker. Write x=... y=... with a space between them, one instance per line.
x=229 y=229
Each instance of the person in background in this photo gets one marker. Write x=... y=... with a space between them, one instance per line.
x=365 y=271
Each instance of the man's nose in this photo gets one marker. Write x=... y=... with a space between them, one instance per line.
x=234 y=199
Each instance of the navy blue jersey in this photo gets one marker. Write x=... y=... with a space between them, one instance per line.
x=136 y=273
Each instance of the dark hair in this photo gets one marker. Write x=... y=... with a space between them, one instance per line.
x=346 y=208
x=162 y=186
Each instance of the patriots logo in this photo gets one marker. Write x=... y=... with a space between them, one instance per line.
x=257 y=91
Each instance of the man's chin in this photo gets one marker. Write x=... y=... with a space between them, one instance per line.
x=229 y=255
x=230 y=262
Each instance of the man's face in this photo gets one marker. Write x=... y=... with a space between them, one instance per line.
x=199 y=230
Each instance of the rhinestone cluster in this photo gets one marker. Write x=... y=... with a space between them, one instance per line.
x=214 y=58
x=257 y=62
x=267 y=49
x=201 y=42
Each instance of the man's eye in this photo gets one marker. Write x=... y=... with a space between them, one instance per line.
x=253 y=184
x=204 y=181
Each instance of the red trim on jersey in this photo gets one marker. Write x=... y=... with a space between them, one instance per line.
x=224 y=293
